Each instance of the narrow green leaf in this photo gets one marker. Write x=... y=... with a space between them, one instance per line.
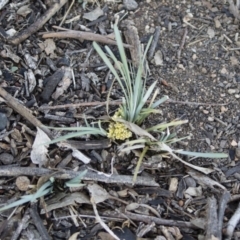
x=160 y=101
x=203 y=155
x=76 y=180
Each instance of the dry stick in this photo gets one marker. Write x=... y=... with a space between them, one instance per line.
x=21 y=225
x=226 y=196
x=38 y=222
x=66 y=14
x=22 y=110
x=160 y=221
x=38 y=24
x=67 y=174
x=82 y=35
x=87 y=104
x=233 y=223
x=212 y=220
x=182 y=43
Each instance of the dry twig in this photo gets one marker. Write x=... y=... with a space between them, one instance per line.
x=66 y=174
x=38 y=24
x=66 y=33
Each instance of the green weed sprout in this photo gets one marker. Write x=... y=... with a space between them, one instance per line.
x=45 y=189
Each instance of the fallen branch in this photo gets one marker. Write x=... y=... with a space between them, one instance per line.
x=212 y=219
x=225 y=197
x=66 y=33
x=67 y=174
x=22 y=110
x=87 y=104
x=38 y=24
x=233 y=223
x=159 y=221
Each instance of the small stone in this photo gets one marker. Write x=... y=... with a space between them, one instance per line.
x=130 y=5
x=205 y=111
x=194 y=56
x=22 y=183
x=231 y=91
x=234 y=143
x=237 y=96
x=6 y=158
x=210 y=119
x=223 y=143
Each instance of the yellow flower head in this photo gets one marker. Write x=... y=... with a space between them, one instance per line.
x=118 y=131
x=117 y=114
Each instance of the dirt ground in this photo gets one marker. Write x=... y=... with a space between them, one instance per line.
x=196 y=63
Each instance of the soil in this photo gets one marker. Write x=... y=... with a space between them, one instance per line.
x=196 y=64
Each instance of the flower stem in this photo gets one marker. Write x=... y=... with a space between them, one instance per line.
x=145 y=149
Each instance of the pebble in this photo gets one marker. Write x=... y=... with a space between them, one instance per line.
x=231 y=91
x=210 y=119
x=3 y=121
x=6 y=158
x=130 y=5
x=237 y=96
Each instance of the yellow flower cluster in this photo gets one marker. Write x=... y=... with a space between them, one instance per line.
x=118 y=131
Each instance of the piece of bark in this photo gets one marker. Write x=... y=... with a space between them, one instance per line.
x=131 y=35
x=38 y=24
x=38 y=222
x=154 y=43
x=212 y=219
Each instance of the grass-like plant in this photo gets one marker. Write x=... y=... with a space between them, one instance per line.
x=134 y=111
x=135 y=108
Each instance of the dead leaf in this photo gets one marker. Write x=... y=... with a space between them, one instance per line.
x=93 y=15
x=15 y=134
x=98 y=194
x=199 y=222
x=193 y=192
x=39 y=148
x=74 y=236
x=24 y=10
x=62 y=87
x=70 y=199
x=48 y=46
